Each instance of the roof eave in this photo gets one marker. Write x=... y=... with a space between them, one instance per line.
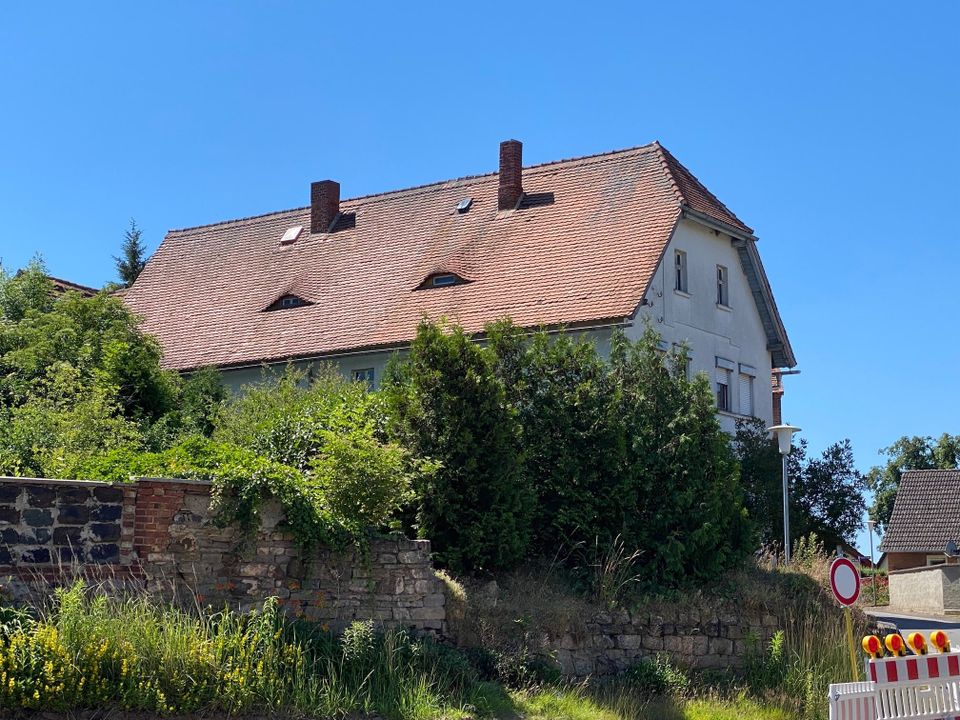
x=598 y=324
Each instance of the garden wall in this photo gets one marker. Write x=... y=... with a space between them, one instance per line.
x=610 y=642
x=934 y=589
x=159 y=533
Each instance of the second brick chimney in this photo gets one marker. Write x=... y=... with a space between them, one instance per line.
x=324 y=205
x=511 y=174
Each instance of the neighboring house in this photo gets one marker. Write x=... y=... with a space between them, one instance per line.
x=926 y=516
x=586 y=245
x=60 y=287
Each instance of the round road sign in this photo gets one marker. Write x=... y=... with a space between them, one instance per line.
x=844 y=581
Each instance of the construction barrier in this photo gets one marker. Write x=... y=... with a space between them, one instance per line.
x=916 y=687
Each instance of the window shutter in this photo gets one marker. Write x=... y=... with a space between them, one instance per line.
x=746 y=394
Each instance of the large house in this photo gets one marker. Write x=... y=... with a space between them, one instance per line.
x=925 y=520
x=586 y=245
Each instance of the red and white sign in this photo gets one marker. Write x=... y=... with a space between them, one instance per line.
x=845 y=581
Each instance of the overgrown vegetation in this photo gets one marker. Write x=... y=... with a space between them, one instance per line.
x=91 y=651
x=517 y=448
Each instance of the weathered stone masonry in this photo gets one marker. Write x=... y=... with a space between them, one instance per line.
x=159 y=532
x=610 y=642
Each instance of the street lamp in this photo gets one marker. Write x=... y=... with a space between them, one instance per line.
x=784 y=435
x=871 y=524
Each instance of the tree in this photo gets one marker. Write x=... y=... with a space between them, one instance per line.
x=448 y=405
x=571 y=443
x=677 y=496
x=132 y=255
x=908 y=453
x=29 y=289
x=826 y=493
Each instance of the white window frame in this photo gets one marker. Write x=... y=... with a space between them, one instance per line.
x=933 y=560
x=680 y=271
x=723 y=287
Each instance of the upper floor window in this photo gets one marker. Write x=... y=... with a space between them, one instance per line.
x=723 y=389
x=680 y=270
x=724 y=392
x=364 y=375
x=723 y=288
x=746 y=395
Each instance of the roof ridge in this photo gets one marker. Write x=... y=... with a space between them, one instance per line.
x=602 y=156
x=673 y=160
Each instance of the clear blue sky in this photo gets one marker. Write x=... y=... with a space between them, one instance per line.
x=831 y=128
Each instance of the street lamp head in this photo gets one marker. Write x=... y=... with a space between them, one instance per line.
x=784 y=435
x=871 y=524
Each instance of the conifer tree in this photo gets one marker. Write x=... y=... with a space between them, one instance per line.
x=132 y=255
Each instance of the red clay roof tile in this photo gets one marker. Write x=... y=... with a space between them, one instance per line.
x=580 y=249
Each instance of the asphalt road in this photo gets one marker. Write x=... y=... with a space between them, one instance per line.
x=907 y=624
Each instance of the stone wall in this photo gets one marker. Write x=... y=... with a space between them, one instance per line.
x=50 y=522
x=159 y=533
x=610 y=642
x=181 y=549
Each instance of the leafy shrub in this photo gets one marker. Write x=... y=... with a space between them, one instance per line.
x=657 y=676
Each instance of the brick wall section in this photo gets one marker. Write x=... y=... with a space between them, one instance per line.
x=160 y=533
x=610 y=642
x=49 y=522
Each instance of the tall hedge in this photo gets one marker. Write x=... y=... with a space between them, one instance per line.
x=449 y=406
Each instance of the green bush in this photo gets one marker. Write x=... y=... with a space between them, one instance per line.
x=448 y=405
x=657 y=676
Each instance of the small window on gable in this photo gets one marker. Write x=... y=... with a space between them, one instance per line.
x=441 y=280
x=723 y=287
x=680 y=271
x=286 y=302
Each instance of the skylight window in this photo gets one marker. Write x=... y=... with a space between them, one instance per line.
x=287 y=302
x=464 y=205
x=291 y=235
x=443 y=280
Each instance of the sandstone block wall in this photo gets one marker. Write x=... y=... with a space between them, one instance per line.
x=610 y=642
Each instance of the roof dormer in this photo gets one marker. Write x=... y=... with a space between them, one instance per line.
x=287 y=302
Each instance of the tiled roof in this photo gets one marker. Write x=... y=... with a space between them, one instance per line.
x=60 y=286
x=926 y=513
x=580 y=249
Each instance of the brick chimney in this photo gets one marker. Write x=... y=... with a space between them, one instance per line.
x=324 y=205
x=511 y=175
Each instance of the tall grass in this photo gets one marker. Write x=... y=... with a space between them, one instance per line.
x=800 y=662
x=90 y=651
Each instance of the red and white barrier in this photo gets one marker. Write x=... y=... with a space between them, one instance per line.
x=918 y=687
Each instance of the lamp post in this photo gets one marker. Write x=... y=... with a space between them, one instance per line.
x=871 y=524
x=784 y=435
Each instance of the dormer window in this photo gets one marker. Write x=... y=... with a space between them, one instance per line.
x=441 y=280
x=286 y=302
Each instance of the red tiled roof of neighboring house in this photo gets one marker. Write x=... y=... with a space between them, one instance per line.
x=61 y=286
x=579 y=250
x=926 y=512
